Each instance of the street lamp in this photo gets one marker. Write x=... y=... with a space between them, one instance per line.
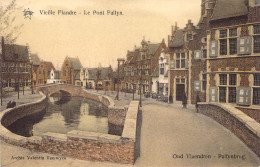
x=119 y=60
x=133 y=90
x=1 y=60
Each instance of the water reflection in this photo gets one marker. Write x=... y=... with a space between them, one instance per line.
x=64 y=114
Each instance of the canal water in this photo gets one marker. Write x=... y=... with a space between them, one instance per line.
x=64 y=114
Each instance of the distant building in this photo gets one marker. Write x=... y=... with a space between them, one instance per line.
x=54 y=77
x=95 y=78
x=43 y=72
x=16 y=65
x=35 y=64
x=70 y=70
x=160 y=75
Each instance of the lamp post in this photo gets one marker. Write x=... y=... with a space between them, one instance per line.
x=18 y=80
x=32 y=76
x=119 y=60
x=133 y=90
x=1 y=61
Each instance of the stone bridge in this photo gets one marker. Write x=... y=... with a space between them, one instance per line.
x=56 y=88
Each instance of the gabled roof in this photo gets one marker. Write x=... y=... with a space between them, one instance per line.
x=153 y=48
x=75 y=63
x=77 y=77
x=156 y=72
x=16 y=53
x=105 y=72
x=35 y=59
x=92 y=72
x=178 y=40
x=47 y=65
x=229 y=8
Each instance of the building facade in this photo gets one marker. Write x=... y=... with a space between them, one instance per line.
x=217 y=60
x=70 y=70
x=16 y=66
x=43 y=72
x=54 y=77
x=160 y=75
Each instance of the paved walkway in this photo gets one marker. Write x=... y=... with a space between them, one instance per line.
x=167 y=129
x=26 y=98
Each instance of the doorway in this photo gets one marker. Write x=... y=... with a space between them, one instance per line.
x=180 y=90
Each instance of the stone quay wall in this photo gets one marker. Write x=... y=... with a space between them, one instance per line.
x=251 y=112
x=77 y=144
x=244 y=127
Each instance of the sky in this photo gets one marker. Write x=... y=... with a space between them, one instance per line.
x=99 y=39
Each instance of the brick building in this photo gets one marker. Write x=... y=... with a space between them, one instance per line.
x=35 y=64
x=218 y=59
x=70 y=69
x=130 y=70
x=43 y=72
x=16 y=66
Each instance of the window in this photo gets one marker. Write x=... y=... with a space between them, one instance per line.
x=256 y=96
x=223 y=47
x=223 y=33
x=257 y=44
x=232 y=79
x=227 y=88
x=232 y=46
x=189 y=37
x=222 y=94
x=228 y=41
x=223 y=79
x=257 y=2
x=64 y=72
x=161 y=71
x=257 y=29
x=204 y=53
x=233 y=32
x=182 y=60
x=257 y=80
x=232 y=95
x=178 y=60
x=204 y=82
x=143 y=56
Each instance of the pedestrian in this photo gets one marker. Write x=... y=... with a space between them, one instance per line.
x=197 y=101
x=184 y=101
x=8 y=104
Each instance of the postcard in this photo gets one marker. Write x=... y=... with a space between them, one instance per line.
x=130 y=83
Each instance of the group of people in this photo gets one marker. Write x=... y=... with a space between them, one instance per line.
x=11 y=104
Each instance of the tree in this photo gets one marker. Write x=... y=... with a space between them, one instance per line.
x=8 y=29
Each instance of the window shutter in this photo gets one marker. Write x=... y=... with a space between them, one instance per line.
x=213 y=48
x=243 y=96
x=213 y=94
x=172 y=65
x=197 y=86
x=187 y=63
x=244 y=45
x=197 y=54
